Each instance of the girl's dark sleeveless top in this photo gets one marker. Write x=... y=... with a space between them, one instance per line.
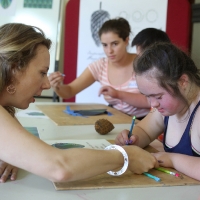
x=184 y=146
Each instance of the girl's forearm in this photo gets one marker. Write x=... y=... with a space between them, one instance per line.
x=187 y=165
x=135 y=99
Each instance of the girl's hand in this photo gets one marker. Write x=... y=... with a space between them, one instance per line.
x=108 y=91
x=7 y=172
x=56 y=79
x=164 y=159
x=122 y=138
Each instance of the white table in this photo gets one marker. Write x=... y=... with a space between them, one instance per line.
x=31 y=187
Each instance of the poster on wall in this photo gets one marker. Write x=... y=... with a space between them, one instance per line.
x=40 y=13
x=7 y=8
x=93 y=13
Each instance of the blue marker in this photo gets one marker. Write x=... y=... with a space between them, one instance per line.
x=151 y=176
x=133 y=122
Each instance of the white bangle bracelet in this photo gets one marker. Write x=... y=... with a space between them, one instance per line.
x=124 y=168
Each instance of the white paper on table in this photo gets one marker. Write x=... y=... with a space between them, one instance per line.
x=31 y=114
x=90 y=143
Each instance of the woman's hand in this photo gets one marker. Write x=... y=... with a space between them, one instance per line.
x=122 y=138
x=108 y=91
x=140 y=160
x=56 y=79
x=7 y=172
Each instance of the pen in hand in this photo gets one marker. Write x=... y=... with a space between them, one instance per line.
x=133 y=122
x=61 y=74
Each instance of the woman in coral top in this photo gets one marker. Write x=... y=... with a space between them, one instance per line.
x=115 y=72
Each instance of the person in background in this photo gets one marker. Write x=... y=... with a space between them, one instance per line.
x=147 y=37
x=24 y=64
x=168 y=77
x=115 y=72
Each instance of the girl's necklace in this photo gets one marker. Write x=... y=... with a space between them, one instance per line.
x=188 y=112
x=185 y=118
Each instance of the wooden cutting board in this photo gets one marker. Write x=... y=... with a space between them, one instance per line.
x=128 y=180
x=57 y=114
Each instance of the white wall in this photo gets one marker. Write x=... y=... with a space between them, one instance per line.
x=139 y=13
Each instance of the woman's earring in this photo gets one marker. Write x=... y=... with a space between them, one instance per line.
x=11 y=89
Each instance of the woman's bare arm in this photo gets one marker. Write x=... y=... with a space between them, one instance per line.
x=24 y=150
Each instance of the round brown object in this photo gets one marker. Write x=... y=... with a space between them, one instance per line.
x=103 y=126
